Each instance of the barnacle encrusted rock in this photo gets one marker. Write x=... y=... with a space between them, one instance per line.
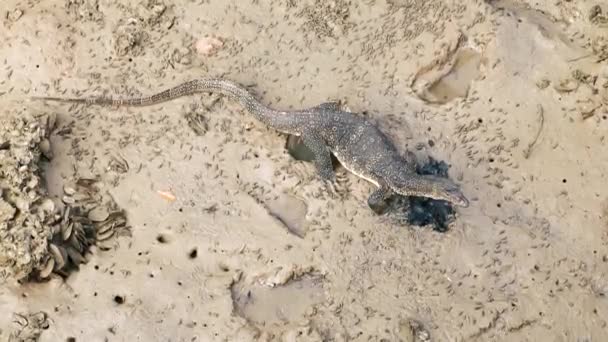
x=38 y=235
x=23 y=233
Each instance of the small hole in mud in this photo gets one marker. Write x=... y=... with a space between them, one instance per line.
x=179 y=283
x=604 y=117
x=540 y=313
x=431 y=143
x=498 y=205
x=130 y=59
x=181 y=210
x=94 y=294
x=224 y=268
x=480 y=120
x=119 y=299
x=96 y=267
x=193 y=253
x=151 y=275
x=71 y=339
x=161 y=238
x=491 y=160
x=564 y=180
x=595 y=311
x=37 y=66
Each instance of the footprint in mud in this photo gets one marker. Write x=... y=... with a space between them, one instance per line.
x=446 y=82
x=291 y=211
x=457 y=81
x=265 y=306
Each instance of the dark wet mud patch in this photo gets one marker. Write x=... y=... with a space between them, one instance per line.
x=296 y=148
x=264 y=306
x=421 y=211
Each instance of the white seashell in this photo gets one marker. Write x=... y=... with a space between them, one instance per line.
x=45 y=272
x=104 y=227
x=98 y=214
x=66 y=231
x=68 y=190
x=105 y=246
x=105 y=235
x=66 y=215
x=68 y=200
x=45 y=148
x=56 y=253
x=75 y=243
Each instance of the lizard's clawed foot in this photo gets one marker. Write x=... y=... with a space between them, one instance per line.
x=329 y=187
x=377 y=200
x=378 y=208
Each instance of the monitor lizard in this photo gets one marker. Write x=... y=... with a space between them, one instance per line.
x=356 y=142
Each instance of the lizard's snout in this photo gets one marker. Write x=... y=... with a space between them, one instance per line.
x=456 y=196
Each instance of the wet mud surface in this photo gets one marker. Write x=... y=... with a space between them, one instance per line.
x=192 y=221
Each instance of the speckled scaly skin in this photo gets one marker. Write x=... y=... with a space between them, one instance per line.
x=357 y=143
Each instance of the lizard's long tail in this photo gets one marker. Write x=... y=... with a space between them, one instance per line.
x=280 y=120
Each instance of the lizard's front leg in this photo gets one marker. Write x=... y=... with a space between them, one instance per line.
x=377 y=200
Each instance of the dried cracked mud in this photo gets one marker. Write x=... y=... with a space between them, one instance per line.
x=195 y=222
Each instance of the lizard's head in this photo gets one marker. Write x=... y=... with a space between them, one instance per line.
x=429 y=186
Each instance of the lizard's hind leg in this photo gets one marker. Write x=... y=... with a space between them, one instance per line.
x=322 y=155
x=322 y=161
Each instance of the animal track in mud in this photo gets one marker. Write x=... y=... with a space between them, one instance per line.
x=265 y=306
x=457 y=81
x=291 y=211
x=444 y=82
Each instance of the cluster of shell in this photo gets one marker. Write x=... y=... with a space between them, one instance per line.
x=81 y=223
x=38 y=235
